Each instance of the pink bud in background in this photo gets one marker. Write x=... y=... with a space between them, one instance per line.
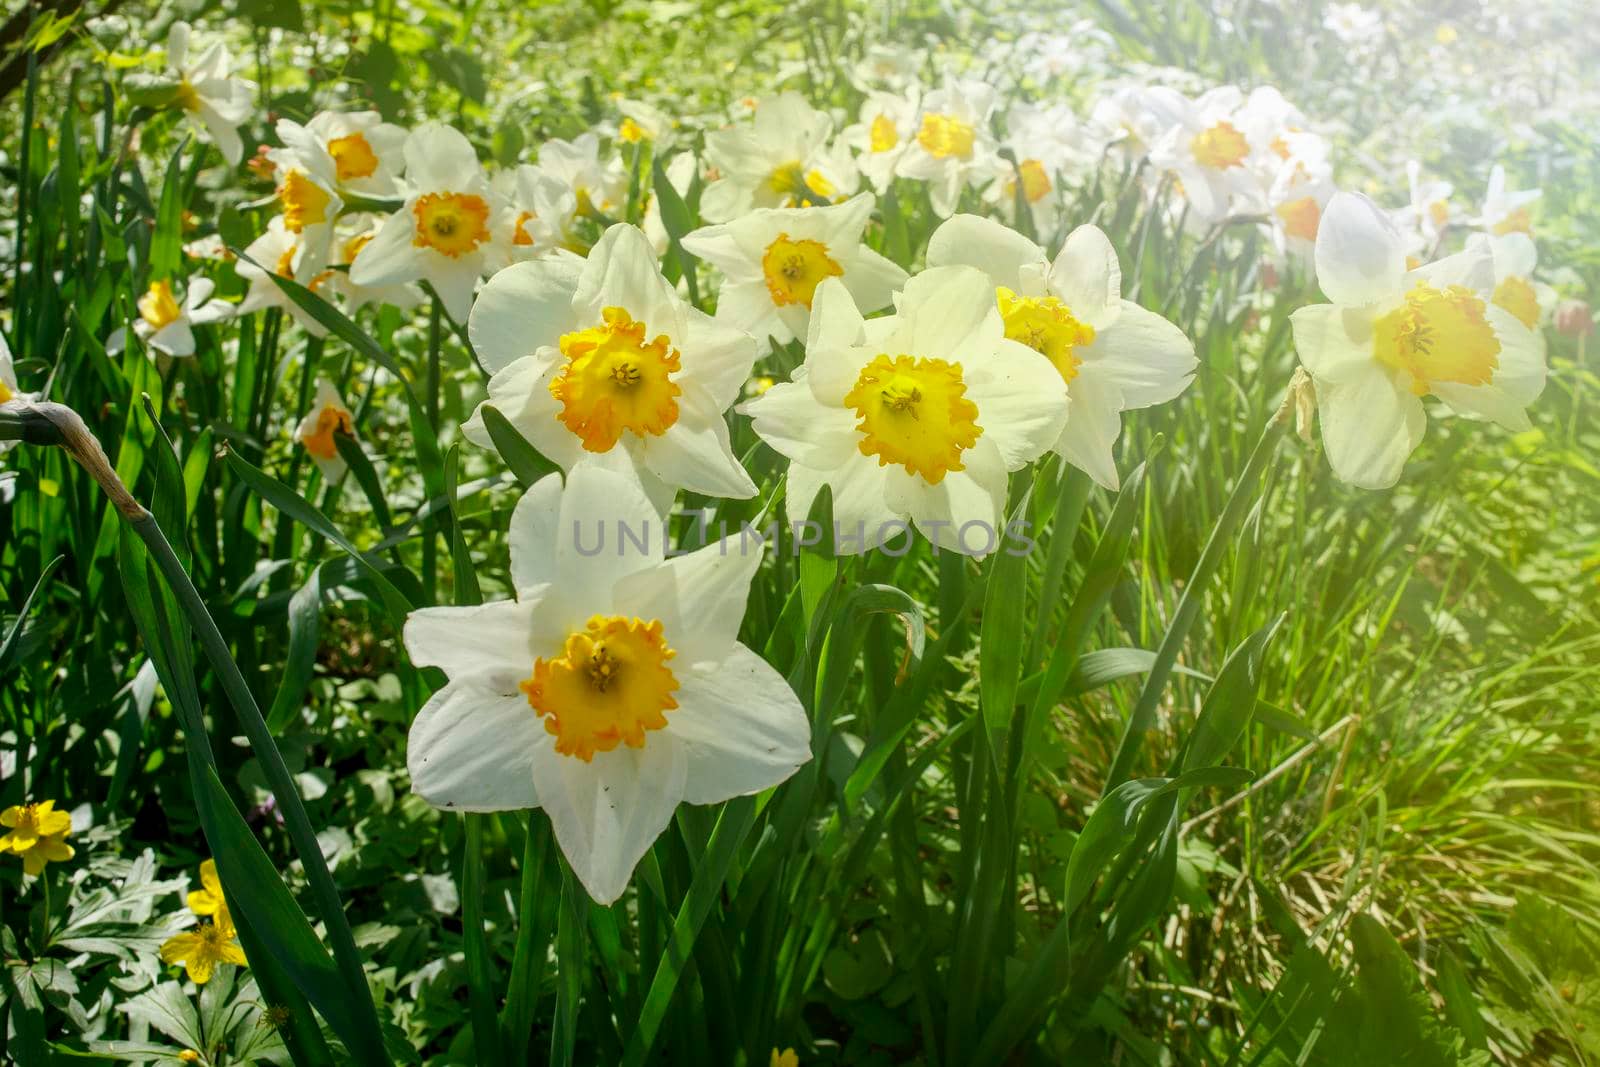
x=1574 y=319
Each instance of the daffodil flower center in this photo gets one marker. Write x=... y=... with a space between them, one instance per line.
x=305 y=203
x=914 y=412
x=1301 y=217
x=1045 y=324
x=352 y=248
x=451 y=224
x=1438 y=335
x=794 y=269
x=330 y=420
x=883 y=135
x=787 y=178
x=946 y=137
x=1220 y=147
x=616 y=380
x=609 y=686
x=1516 y=295
x=5 y=393
x=1035 y=181
x=1439 y=212
x=353 y=157
x=158 y=306
x=630 y=131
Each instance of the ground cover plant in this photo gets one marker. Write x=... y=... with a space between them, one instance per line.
x=814 y=533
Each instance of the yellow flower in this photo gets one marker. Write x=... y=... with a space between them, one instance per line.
x=786 y=1058
x=30 y=822
x=208 y=899
x=200 y=950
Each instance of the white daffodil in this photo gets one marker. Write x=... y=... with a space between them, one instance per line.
x=643 y=122
x=1131 y=119
x=953 y=147
x=600 y=359
x=1045 y=143
x=328 y=415
x=358 y=151
x=277 y=251
x=773 y=260
x=598 y=186
x=542 y=210
x=1506 y=210
x=767 y=162
x=214 y=103
x=1210 y=155
x=165 y=323
x=887 y=123
x=307 y=195
x=1295 y=203
x=1392 y=336
x=917 y=416
x=611 y=690
x=444 y=231
x=1424 y=220
x=1514 y=257
x=1112 y=354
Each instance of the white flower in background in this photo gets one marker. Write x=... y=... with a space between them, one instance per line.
x=597 y=185
x=1353 y=24
x=1210 y=155
x=599 y=360
x=307 y=196
x=888 y=65
x=1268 y=123
x=642 y=122
x=280 y=252
x=1046 y=141
x=214 y=103
x=353 y=232
x=1505 y=210
x=953 y=148
x=1514 y=257
x=1424 y=220
x=766 y=162
x=1112 y=354
x=1132 y=118
x=357 y=151
x=610 y=691
x=1295 y=202
x=541 y=212
x=887 y=123
x=165 y=323
x=1392 y=336
x=444 y=231
x=917 y=416
x=328 y=415
x=773 y=261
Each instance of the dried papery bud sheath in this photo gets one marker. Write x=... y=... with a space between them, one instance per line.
x=56 y=424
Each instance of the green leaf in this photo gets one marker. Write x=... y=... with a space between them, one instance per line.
x=526 y=464
x=1000 y=642
x=1230 y=702
x=305 y=618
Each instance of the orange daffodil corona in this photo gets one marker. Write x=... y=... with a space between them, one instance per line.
x=610 y=690
x=326 y=417
x=166 y=319
x=1112 y=354
x=599 y=360
x=915 y=417
x=1391 y=337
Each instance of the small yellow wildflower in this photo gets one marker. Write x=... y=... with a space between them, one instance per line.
x=786 y=1058
x=200 y=950
x=208 y=899
x=37 y=833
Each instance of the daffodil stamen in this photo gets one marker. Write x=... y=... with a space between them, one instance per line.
x=616 y=380
x=610 y=686
x=1220 y=147
x=914 y=412
x=945 y=136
